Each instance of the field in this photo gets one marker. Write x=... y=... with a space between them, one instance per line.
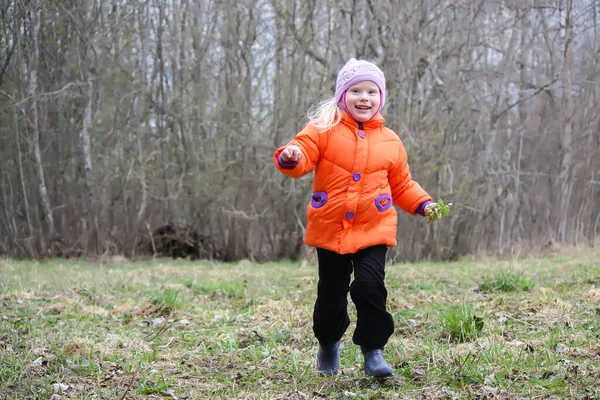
x=177 y=329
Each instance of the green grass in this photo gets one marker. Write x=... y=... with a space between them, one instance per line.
x=460 y=322
x=506 y=281
x=201 y=330
x=166 y=301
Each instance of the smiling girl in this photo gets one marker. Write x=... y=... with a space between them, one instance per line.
x=361 y=168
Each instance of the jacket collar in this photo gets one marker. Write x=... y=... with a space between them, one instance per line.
x=373 y=123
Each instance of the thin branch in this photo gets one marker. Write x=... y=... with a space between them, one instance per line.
x=516 y=103
x=39 y=96
x=131 y=382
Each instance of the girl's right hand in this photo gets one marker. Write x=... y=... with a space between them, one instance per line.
x=291 y=154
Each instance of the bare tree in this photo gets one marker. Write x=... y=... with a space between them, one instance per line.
x=149 y=126
x=566 y=167
x=33 y=62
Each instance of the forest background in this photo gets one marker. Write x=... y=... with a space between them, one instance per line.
x=138 y=127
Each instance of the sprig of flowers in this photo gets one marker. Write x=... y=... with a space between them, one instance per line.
x=438 y=210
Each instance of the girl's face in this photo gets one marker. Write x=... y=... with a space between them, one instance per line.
x=362 y=100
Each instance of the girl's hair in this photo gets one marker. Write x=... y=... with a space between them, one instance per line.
x=325 y=115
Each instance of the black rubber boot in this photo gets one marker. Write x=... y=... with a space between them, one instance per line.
x=328 y=359
x=375 y=364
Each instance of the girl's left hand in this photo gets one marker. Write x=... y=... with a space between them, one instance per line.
x=429 y=211
x=436 y=211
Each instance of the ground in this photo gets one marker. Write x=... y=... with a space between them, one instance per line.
x=476 y=328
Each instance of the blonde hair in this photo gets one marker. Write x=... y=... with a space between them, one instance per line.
x=325 y=115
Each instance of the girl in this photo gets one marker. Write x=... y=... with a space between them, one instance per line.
x=361 y=169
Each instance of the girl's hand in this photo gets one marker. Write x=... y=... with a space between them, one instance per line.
x=429 y=209
x=291 y=154
x=436 y=211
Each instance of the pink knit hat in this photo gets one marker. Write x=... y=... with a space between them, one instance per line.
x=357 y=71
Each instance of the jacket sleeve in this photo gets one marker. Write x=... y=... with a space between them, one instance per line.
x=406 y=193
x=308 y=140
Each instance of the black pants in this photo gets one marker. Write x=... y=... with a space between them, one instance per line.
x=374 y=324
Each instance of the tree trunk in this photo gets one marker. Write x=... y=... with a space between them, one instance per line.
x=566 y=163
x=35 y=143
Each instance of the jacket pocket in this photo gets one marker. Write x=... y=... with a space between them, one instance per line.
x=383 y=202
x=318 y=199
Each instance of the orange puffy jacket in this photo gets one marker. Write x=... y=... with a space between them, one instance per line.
x=360 y=169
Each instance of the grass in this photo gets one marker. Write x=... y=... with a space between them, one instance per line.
x=460 y=322
x=198 y=330
x=506 y=281
x=166 y=301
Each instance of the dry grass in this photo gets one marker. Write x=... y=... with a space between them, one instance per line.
x=178 y=329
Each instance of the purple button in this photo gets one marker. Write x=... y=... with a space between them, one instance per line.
x=356 y=176
x=361 y=134
x=349 y=215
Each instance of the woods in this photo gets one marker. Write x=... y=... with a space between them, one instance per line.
x=123 y=119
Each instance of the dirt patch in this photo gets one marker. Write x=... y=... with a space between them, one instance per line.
x=18 y=295
x=78 y=385
x=75 y=305
x=55 y=309
x=37 y=346
x=593 y=295
x=128 y=307
x=162 y=367
x=38 y=367
x=278 y=313
x=95 y=311
x=553 y=313
x=291 y=396
x=123 y=384
x=115 y=344
x=149 y=310
x=423 y=299
x=78 y=346
x=5 y=344
x=163 y=272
